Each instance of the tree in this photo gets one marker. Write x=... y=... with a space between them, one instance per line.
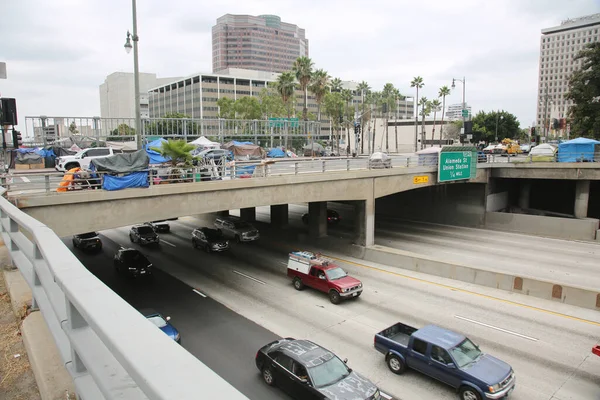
x=73 y=128
x=271 y=104
x=389 y=99
x=425 y=110
x=364 y=89
x=417 y=82
x=444 y=91
x=122 y=130
x=180 y=125
x=177 y=150
x=398 y=96
x=333 y=105
x=484 y=126
x=285 y=86
x=319 y=86
x=303 y=70
x=336 y=85
x=347 y=98
x=584 y=91
x=435 y=106
x=226 y=107
x=247 y=107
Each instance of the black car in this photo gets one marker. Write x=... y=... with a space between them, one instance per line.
x=209 y=239
x=144 y=235
x=306 y=370
x=333 y=218
x=87 y=241
x=132 y=262
x=159 y=226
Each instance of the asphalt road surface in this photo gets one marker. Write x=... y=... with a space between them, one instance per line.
x=547 y=343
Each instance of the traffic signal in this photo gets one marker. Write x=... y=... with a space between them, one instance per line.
x=8 y=111
x=468 y=127
x=17 y=139
x=357 y=129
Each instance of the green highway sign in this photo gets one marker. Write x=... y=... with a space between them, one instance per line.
x=280 y=122
x=465 y=113
x=457 y=165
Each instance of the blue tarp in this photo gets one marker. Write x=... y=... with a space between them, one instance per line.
x=40 y=152
x=244 y=170
x=276 y=153
x=133 y=180
x=155 y=157
x=235 y=143
x=578 y=150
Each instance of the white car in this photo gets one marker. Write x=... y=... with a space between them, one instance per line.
x=83 y=158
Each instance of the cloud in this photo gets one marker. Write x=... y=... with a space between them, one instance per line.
x=61 y=50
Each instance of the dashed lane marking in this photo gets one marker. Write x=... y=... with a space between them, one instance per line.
x=249 y=277
x=198 y=292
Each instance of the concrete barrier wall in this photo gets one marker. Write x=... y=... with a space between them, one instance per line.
x=562 y=228
x=497 y=201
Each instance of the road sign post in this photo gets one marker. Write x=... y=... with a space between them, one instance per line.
x=457 y=163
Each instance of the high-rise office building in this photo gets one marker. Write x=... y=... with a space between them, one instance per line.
x=261 y=43
x=454 y=111
x=559 y=46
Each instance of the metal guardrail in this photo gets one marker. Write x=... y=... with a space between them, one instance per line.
x=109 y=348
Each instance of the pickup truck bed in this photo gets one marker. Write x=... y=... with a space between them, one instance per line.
x=394 y=335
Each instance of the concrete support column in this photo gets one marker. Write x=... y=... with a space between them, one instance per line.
x=317 y=219
x=524 y=195
x=582 y=197
x=223 y=213
x=364 y=222
x=279 y=215
x=248 y=214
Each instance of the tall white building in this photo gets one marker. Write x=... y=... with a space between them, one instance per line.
x=454 y=111
x=117 y=94
x=559 y=46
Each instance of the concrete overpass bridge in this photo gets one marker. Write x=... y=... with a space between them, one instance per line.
x=409 y=191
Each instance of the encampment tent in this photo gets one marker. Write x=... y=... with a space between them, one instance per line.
x=313 y=148
x=429 y=156
x=579 y=150
x=276 y=152
x=543 y=152
x=245 y=150
x=155 y=157
x=202 y=141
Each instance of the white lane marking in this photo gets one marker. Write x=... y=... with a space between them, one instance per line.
x=198 y=292
x=283 y=263
x=498 y=329
x=25 y=179
x=248 y=276
x=387 y=396
x=165 y=242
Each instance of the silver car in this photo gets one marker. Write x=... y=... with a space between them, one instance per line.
x=236 y=228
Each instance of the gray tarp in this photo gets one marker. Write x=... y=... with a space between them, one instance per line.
x=123 y=163
x=29 y=158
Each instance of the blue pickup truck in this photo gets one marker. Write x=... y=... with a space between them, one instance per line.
x=448 y=357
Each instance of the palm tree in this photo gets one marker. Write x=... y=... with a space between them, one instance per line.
x=398 y=96
x=444 y=91
x=388 y=99
x=364 y=89
x=319 y=86
x=285 y=86
x=347 y=97
x=375 y=100
x=302 y=68
x=424 y=103
x=417 y=82
x=336 y=85
x=435 y=106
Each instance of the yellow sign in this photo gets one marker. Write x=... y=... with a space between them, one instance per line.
x=420 y=179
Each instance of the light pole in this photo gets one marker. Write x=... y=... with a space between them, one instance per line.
x=464 y=105
x=136 y=74
x=498 y=117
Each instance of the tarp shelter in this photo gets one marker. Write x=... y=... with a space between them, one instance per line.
x=429 y=156
x=202 y=141
x=276 y=152
x=132 y=168
x=313 y=148
x=155 y=157
x=245 y=150
x=30 y=156
x=544 y=149
x=579 y=150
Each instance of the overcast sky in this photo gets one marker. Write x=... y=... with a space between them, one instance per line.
x=58 y=52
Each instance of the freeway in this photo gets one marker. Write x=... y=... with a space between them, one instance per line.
x=548 y=344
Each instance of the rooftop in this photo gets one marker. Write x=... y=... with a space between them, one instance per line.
x=574 y=23
x=439 y=336
x=307 y=352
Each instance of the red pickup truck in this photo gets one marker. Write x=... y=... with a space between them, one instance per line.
x=308 y=269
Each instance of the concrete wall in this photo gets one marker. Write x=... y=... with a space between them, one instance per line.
x=563 y=228
x=454 y=204
x=497 y=201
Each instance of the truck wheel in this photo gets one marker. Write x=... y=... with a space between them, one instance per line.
x=298 y=285
x=395 y=364
x=268 y=377
x=334 y=297
x=468 y=393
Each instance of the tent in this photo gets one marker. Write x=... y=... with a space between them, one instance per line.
x=155 y=157
x=543 y=152
x=429 y=156
x=579 y=150
x=124 y=146
x=313 y=148
x=276 y=152
x=245 y=150
x=202 y=141
x=132 y=168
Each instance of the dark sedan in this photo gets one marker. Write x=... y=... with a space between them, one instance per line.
x=209 y=239
x=159 y=226
x=87 y=241
x=333 y=218
x=144 y=235
x=306 y=370
x=132 y=263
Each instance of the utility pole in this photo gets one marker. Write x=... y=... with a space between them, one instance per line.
x=546 y=116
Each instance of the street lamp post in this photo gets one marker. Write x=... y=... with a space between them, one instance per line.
x=498 y=117
x=464 y=105
x=136 y=74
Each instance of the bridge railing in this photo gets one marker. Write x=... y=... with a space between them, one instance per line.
x=109 y=348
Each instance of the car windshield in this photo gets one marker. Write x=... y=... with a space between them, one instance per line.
x=335 y=273
x=213 y=234
x=134 y=256
x=88 y=235
x=329 y=372
x=241 y=224
x=143 y=230
x=465 y=353
x=157 y=320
